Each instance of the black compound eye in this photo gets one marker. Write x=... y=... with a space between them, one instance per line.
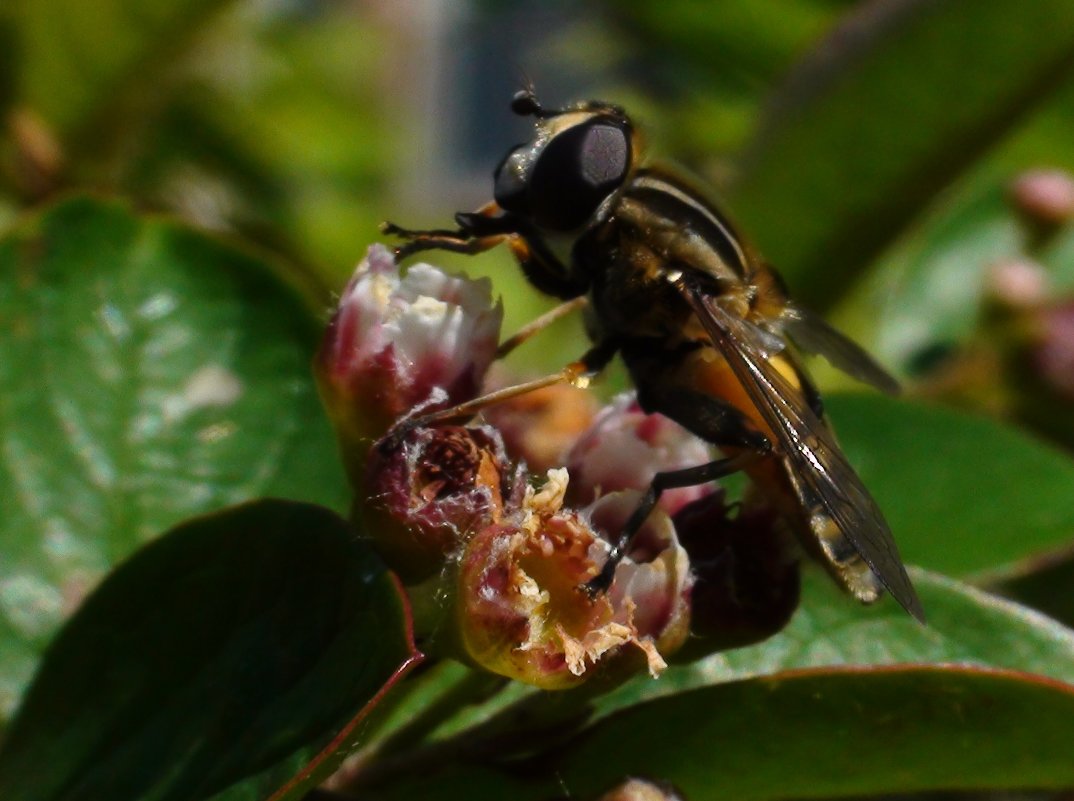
x=576 y=171
x=512 y=181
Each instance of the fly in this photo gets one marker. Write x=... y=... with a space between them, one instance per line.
x=703 y=324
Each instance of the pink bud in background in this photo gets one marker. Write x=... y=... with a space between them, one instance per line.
x=1044 y=196
x=641 y=790
x=1052 y=353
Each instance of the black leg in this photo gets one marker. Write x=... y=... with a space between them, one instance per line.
x=688 y=477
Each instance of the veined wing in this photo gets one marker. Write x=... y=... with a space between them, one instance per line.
x=807 y=444
x=812 y=333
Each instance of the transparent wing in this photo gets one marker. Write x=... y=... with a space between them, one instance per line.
x=808 y=446
x=811 y=333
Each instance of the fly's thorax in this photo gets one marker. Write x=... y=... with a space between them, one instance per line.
x=683 y=226
x=630 y=294
x=768 y=296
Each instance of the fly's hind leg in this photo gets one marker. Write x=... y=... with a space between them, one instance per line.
x=712 y=420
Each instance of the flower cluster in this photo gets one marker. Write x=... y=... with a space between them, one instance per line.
x=497 y=526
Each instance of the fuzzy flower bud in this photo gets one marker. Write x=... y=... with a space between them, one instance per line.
x=396 y=343
x=521 y=610
x=625 y=447
x=1044 y=196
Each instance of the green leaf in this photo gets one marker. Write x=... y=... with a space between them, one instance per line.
x=821 y=734
x=150 y=373
x=79 y=58
x=964 y=495
x=897 y=102
x=803 y=734
x=212 y=654
x=965 y=626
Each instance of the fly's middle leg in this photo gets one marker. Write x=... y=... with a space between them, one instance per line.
x=707 y=417
x=687 y=477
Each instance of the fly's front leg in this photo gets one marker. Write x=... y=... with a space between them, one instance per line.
x=477 y=232
x=485 y=228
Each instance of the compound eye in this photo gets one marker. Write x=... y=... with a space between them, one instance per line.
x=511 y=184
x=576 y=171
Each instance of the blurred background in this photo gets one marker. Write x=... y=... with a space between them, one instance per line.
x=300 y=124
x=297 y=125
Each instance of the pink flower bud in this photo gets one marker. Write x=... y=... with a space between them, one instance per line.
x=624 y=448
x=641 y=790
x=425 y=339
x=1018 y=283
x=523 y=613
x=1044 y=196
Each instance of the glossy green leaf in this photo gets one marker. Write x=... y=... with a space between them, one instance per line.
x=965 y=626
x=78 y=58
x=807 y=734
x=150 y=373
x=821 y=734
x=897 y=102
x=212 y=654
x=964 y=495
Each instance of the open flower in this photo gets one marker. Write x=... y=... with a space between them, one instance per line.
x=399 y=343
x=523 y=614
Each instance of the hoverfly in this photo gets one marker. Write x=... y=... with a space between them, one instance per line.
x=704 y=326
